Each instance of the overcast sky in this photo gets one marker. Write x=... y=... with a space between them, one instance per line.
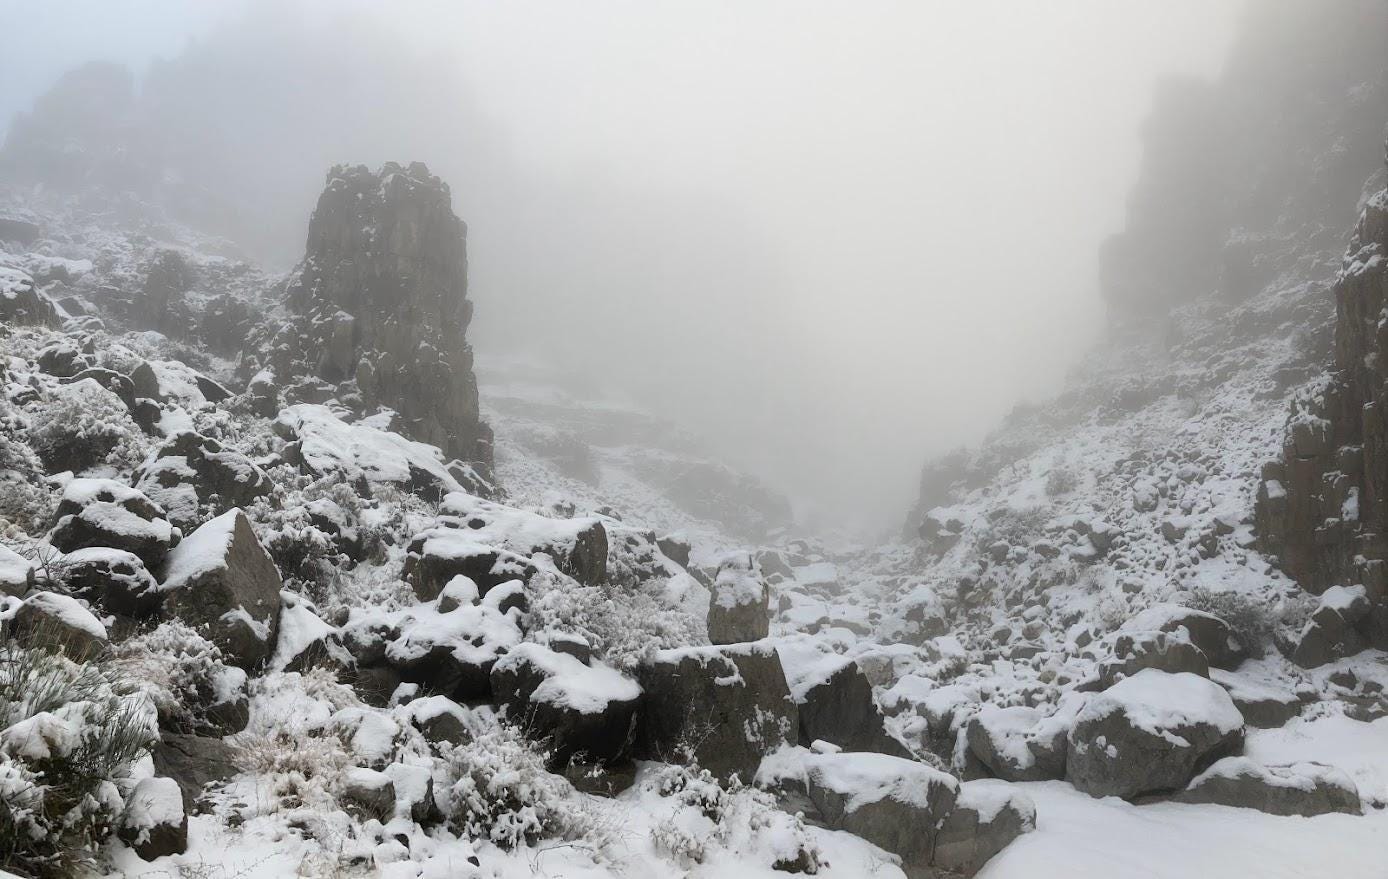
x=836 y=238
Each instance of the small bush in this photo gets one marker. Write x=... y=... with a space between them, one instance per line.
x=499 y=790
x=68 y=735
x=1254 y=619
x=182 y=673
x=82 y=425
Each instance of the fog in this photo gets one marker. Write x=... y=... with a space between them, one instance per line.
x=836 y=239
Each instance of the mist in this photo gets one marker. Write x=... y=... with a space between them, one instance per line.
x=835 y=240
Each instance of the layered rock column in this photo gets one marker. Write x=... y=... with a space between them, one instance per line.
x=383 y=286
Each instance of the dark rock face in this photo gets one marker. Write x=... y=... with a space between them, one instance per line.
x=383 y=288
x=730 y=705
x=155 y=822
x=194 y=762
x=841 y=710
x=1321 y=509
x=987 y=817
x=1014 y=745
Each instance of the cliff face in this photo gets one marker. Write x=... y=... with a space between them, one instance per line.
x=381 y=299
x=1323 y=508
x=1244 y=175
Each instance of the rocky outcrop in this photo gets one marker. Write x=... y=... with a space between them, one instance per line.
x=1323 y=508
x=382 y=299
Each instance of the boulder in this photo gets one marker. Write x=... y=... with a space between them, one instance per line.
x=437 y=555
x=987 y=816
x=21 y=303
x=1263 y=705
x=1305 y=789
x=103 y=512
x=109 y=379
x=1169 y=652
x=739 y=609
x=194 y=762
x=1017 y=744
x=191 y=474
x=577 y=709
x=154 y=823
x=452 y=654
x=840 y=709
x=114 y=579
x=577 y=546
x=17 y=575
x=220 y=579
x=439 y=719
x=1150 y=733
x=305 y=640
x=371 y=792
x=56 y=622
x=1212 y=635
x=1331 y=632
x=725 y=705
x=675 y=549
x=414 y=792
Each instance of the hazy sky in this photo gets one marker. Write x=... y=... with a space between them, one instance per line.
x=836 y=238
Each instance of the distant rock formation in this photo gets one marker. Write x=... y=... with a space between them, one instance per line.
x=1239 y=175
x=382 y=300
x=1323 y=508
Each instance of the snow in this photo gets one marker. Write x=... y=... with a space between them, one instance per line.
x=520 y=531
x=360 y=450
x=43 y=736
x=67 y=611
x=102 y=503
x=989 y=796
x=177 y=383
x=1299 y=776
x=299 y=628
x=201 y=552
x=860 y=777
x=155 y=802
x=1158 y=702
x=14 y=571
x=568 y=683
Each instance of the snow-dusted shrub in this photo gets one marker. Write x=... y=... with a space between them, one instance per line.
x=1061 y=481
x=499 y=790
x=68 y=735
x=622 y=626
x=85 y=421
x=182 y=673
x=744 y=820
x=25 y=501
x=1253 y=618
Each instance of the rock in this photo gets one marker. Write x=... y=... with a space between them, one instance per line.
x=1135 y=651
x=452 y=654
x=109 y=379
x=1016 y=744
x=770 y=562
x=729 y=703
x=577 y=546
x=192 y=473
x=572 y=645
x=437 y=555
x=1212 y=635
x=103 y=512
x=573 y=707
x=194 y=762
x=893 y=803
x=675 y=549
x=263 y=394
x=1305 y=789
x=987 y=817
x=840 y=709
x=59 y=623
x=21 y=303
x=376 y=685
x=16 y=573
x=383 y=245
x=1331 y=634
x=507 y=597
x=1150 y=733
x=739 y=609
x=1262 y=705
x=414 y=792
x=221 y=579
x=62 y=358
x=154 y=823
x=439 y=719
x=116 y=580
x=371 y=792
x=305 y=641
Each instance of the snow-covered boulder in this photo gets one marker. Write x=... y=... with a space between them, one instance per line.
x=16 y=573
x=576 y=546
x=1149 y=733
x=305 y=640
x=1263 y=704
x=987 y=816
x=116 y=580
x=577 y=708
x=1018 y=743
x=438 y=718
x=1169 y=652
x=1212 y=635
x=835 y=704
x=896 y=804
x=171 y=381
x=452 y=653
x=103 y=512
x=58 y=622
x=1305 y=789
x=729 y=704
x=220 y=579
x=191 y=475
x=739 y=608
x=371 y=792
x=437 y=555
x=21 y=303
x=1332 y=630
x=154 y=823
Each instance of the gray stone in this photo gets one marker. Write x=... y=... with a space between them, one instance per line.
x=740 y=608
x=987 y=817
x=194 y=762
x=841 y=709
x=1305 y=789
